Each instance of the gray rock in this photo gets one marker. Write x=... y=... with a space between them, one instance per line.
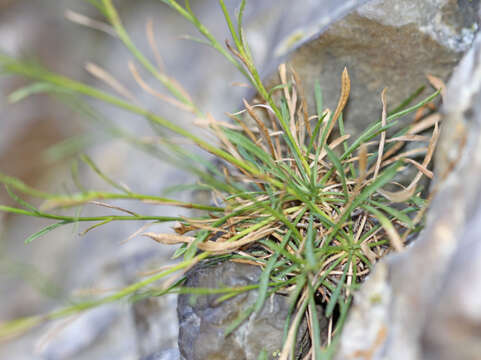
x=390 y=44
x=169 y=354
x=425 y=302
x=202 y=322
x=155 y=324
x=81 y=334
x=452 y=326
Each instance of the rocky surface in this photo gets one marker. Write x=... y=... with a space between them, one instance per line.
x=425 y=302
x=386 y=43
x=203 y=322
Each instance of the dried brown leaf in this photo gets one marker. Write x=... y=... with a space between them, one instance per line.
x=345 y=90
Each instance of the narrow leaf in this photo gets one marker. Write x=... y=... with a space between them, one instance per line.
x=44 y=231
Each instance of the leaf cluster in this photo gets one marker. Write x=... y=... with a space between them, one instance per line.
x=297 y=196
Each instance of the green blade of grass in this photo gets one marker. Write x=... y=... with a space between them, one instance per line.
x=345 y=144
x=21 y=186
x=44 y=231
x=32 y=71
x=413 y=108
x=387 y=225
x=74 y=219
x=383 y=178
x=190 y=16
x=329 y=352
x=316 y=332
x=309 y=249
x=408 y=100
x=87 y=160
x=336 y=295
x=399 y=215
x=173 y=88
x=263 y=355
x=21 y=202
x=340 y=170
x=293 y=298
x=24 y=324
x=32 y=89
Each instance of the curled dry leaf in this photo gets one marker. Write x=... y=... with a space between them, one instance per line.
x=169 y=239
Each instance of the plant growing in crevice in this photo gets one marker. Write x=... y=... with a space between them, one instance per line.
x=307 y=207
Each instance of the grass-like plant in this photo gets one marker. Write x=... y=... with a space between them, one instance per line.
x=307 y=207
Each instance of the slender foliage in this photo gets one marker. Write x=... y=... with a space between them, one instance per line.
x=310 y=208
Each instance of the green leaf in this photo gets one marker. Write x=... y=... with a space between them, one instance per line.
x=367 y=135
x=87 y=160
x=263 y=355
x=340 y=170
x=309 y=249
x=293 y=299
x=408 y=100
x=44 y=231
x=320 y=116
x=383 y=220
x=21 y=201
x=345 y=144
x=240 y=17
x=413 y=108
x=242 y=141
x=394 y=212
x=384 y=177
x=316 y=332
x=337 y=292
x=32 y=89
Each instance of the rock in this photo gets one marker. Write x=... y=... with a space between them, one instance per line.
x=425 y=302
x=452 y=326
x=68 y=341
x=153 y=319
x=386 y=43
x=169 y=354
x=202 y=322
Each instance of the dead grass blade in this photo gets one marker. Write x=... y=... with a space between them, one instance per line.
x=362 y=164
x=170 y=100
x=345 y=90
x=291 y=335
x=420 y=167
x=405 y=194
x=261 y=126
x=99 y=203
x=149 y=30
x=110 y=80
x=302 y=96
x=438 y=84
x=137 y=232
x=169 y=239
x=398 y=196
x=383 y=134
x=83 y=20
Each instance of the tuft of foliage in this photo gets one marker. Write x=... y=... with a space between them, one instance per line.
x=307 y=207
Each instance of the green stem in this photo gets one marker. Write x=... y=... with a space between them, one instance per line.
x=73 y=219
x=114 y=19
